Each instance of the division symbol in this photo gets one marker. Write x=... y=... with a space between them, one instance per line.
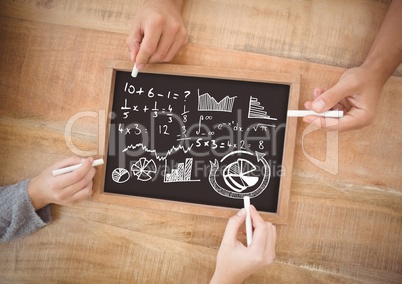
x=239 y=175
x=143 y=169
x=120 y=175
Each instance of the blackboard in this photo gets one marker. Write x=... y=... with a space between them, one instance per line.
x=194 y=137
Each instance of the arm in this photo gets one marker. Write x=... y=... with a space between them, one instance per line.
x=358 y=90
x=24 y=206
x=17 y=215
x=235 y=262
x=67 y=189
x=158 y=32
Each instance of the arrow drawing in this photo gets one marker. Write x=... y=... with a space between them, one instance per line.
x=245 y=181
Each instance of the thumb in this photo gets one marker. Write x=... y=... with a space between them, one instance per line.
x=329 y=98
x=133 y=43
x=233 y=226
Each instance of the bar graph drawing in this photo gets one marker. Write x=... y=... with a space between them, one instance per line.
x=256 y=110
x=208 y=103
x=182 y=172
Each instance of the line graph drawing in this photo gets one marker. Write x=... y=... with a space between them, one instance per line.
x=154 y=151
x=143 y=169
x=120 y=175
x=208 y=103
x=182 y=172
x=241 y=175
x=256 y=110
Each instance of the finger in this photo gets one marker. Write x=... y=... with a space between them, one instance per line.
x=329 y=124
x=317 y=92
x=307 y=105
x=65 y=196
x=233 y=226
x=73 y=177
x=354 y=119
x=133 y=43
x=70 y=161
x=256 y=217
x=329 y=98
x=174 y=49
x=82 y=194
x=163 y=47
x=148 y=47
x=181 y=40
x=260 y=228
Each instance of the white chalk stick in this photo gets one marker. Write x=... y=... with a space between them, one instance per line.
x=134 y=73
x=301 y=113
x=73 y=168
x=249 y=227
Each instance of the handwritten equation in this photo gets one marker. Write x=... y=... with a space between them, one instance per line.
x=195 y=135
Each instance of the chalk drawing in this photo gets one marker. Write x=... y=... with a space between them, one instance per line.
x=154 y=151
x=241 y=176
x=143 y=169
x=208 y=103
x=255 y=110
x=120 y=175
x=181 y=173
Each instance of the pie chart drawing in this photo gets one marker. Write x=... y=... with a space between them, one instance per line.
x=239 y=175
x=120 y=175
x=143 y=169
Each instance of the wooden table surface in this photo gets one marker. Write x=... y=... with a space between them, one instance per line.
x=342 y=227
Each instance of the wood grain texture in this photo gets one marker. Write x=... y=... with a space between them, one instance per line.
x=321 y=31
x=342 y=228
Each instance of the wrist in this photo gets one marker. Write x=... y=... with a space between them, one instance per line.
x=176 y=3
x=225 y=278
x=34 y=192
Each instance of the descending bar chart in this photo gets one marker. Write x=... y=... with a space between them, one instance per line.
x=256 y=110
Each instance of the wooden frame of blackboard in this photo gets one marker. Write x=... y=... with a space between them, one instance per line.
x=280 y=217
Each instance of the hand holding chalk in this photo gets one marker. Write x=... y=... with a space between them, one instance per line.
x=158 y=33
x=65 y=189
x=356 y=93
x=235 y=262
x=69 y=169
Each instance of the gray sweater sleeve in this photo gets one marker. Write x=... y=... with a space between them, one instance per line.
x=17 y=215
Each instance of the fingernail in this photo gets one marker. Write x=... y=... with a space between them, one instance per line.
x=140 y=66
x=241 y=212
x=306 y=105
x=318 y=105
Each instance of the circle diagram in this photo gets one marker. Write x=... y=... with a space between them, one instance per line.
x=239 y=175
x=143 y=169
x=120 y=175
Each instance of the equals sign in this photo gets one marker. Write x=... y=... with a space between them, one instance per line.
x=175 y=96
x=222 y=145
